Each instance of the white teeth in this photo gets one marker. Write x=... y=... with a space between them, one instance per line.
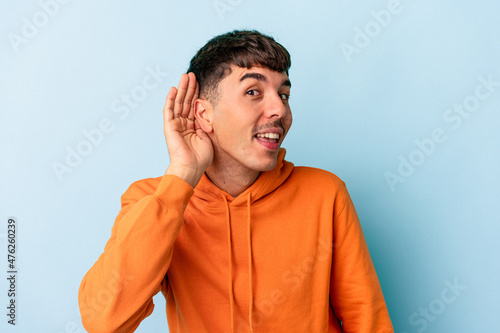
x=269 y=136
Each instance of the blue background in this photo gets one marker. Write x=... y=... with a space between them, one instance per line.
x=357 y=113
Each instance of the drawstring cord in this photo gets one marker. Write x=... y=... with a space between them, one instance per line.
x=250 y=308
x=249 y=235
x=231 y=296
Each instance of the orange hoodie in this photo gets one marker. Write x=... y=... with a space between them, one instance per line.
x=286 y=255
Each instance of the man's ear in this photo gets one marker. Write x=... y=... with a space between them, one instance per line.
x=203 y=112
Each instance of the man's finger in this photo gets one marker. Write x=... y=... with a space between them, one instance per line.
x=181 y=93
x=191 y=90
x=193 y=104
x=168 y=109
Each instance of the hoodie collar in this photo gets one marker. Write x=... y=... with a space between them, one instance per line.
x=267 y=182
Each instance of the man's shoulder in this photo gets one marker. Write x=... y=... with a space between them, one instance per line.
x=141 y=188
x=317 y=176
x=318 y=184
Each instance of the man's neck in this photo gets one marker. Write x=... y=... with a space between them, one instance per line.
x=231 y=179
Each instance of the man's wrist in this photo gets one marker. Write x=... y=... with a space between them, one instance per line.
x=190 y=175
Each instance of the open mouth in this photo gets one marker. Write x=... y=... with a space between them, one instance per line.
x=269 y=137
x=269 y=140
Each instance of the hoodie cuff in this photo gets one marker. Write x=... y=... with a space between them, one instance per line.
x=174 y=193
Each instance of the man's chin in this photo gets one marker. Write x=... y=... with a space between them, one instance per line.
x=268 y=166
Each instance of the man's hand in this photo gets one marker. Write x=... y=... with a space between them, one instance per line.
x=190 y=149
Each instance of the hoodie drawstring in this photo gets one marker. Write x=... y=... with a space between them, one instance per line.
x=231 y=296
x=249 y=219
x=249 y=236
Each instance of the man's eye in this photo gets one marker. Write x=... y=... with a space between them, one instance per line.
x=285 y=97
x=253 y=92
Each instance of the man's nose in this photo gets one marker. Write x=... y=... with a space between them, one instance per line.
x=275 y=107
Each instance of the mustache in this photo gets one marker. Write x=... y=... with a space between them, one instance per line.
x=264 y=127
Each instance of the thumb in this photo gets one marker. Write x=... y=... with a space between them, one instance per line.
x=196 y=124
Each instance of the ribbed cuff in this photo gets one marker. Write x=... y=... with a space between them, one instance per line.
x=174 y=193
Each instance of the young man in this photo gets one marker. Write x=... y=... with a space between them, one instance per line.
x=236 y=238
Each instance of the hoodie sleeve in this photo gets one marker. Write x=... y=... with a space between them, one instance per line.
x=355 y=293
x=116 y=293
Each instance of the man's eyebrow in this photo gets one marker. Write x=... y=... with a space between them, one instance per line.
x=263 y=78
x=256 y=76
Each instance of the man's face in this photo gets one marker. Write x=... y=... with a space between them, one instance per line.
x=251 y=118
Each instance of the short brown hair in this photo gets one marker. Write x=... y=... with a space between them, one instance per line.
x=243 y=48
